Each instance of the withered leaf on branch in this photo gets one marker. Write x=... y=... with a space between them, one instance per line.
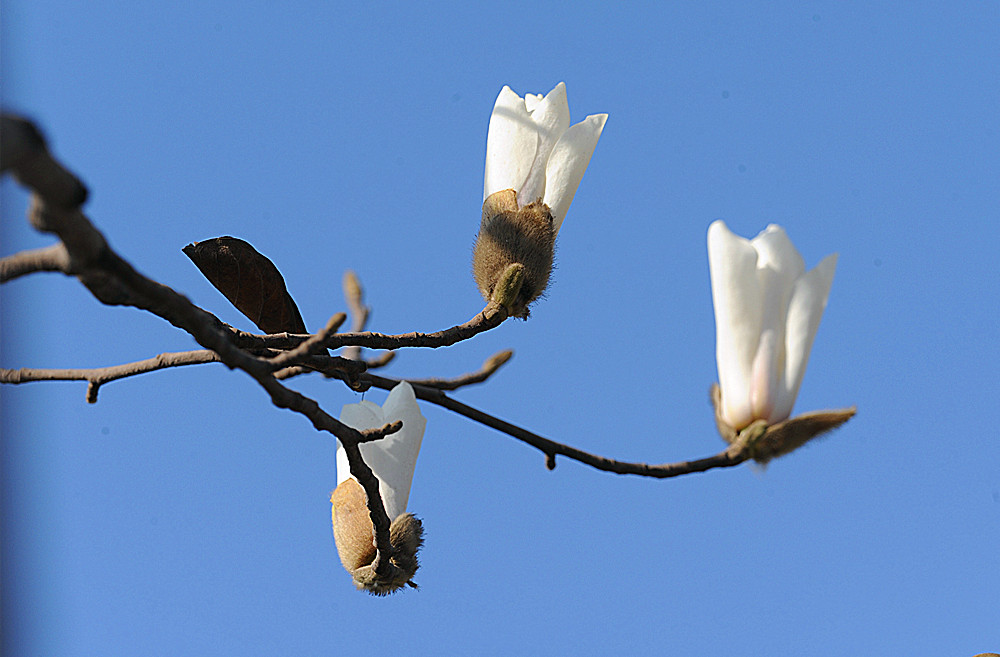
x=250 y=281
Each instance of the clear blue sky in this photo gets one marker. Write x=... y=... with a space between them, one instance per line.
x=183 y=514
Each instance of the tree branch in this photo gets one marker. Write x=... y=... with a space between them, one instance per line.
x=23 y=151
x=492 y=364
x=737 y=453
x=84 y=253
x=354 y=295
x=50 y=258
x=311 y=347
x=97 y=377
x=490 y=317
x=114 y=281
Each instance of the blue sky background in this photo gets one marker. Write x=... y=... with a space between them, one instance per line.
x=183 y=514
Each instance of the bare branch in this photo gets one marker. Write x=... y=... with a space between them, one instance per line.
x=84 y=253
x=488 y=318
x=51 y=258
x=354 y=295
x=115 y=282
x=492 y=364
x=311 y=347
x=24 y=152
x=740 y=451
x=97 y=377
x=371 y=435
x=381 y=360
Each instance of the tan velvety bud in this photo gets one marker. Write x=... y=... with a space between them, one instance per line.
x=352 y=525
x=786 y=437
x=355 y=538
x=771 y=441
x=509 y=235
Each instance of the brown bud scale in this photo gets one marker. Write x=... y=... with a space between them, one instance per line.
x=354 y=535
x=780 y=438
x=509 y=235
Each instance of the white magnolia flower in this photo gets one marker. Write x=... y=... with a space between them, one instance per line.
x=393 y=458
x=532 y=149
x=767 y=311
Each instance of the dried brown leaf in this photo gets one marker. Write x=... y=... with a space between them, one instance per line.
x=250 y=281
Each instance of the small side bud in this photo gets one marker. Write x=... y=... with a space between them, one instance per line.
x=510 y=235
x=355 y=538
x=497 y=360
x=352 y=288
x=507 y=289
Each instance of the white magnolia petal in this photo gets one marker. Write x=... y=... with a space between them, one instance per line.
x=397 y=456
x=511 y=142
x=567 y=164
x=392 y=459
x=363 y=415
x=736 y=296
x=552 y=111
x=805 y=310
x=776 y=251
x=551 y=117
x=779 y=265
x=531 y=101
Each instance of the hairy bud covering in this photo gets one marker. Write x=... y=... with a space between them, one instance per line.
x=355 y=537
x=774 y=440
x=510 y=235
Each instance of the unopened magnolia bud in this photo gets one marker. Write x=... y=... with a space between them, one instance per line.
x=355 y=538
x=510 y=235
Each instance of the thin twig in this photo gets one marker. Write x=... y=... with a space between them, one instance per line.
x=492 y=364
x=736 y=454
x=96 y=377
x=490 y=317
x=354 y=294
x=381 y=360
x=311 y=347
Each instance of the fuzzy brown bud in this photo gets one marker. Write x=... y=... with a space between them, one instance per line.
x=771 y=441
x=510 y=235
x=354 y=535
